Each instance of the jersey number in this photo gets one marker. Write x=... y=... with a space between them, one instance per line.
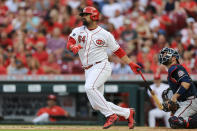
x=81 y=39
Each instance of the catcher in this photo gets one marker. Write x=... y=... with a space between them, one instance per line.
x=183 y=103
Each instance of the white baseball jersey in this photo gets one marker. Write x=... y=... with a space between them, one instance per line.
x=159 y=90
x=94 y=43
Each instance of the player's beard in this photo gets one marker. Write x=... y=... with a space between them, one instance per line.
x=85 y=23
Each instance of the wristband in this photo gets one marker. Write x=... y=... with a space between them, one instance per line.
x=120 y=53
x=181 y=90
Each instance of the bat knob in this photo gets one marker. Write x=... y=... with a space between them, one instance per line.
x=139 y=70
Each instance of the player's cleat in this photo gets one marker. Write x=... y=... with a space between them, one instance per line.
x=110 y=121
x=131 y=121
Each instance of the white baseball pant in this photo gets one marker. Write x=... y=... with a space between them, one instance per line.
x=157 y=113
x=96 y=76
x=42 y=118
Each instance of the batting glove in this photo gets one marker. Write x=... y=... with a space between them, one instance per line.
x=134 y=67
x=75 y=48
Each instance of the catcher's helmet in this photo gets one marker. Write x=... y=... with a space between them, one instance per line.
x=94 y=13
x=166 y=54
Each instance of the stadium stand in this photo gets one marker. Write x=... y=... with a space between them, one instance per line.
x=142 y=27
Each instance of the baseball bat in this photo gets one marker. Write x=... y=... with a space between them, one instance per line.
x=154 y=96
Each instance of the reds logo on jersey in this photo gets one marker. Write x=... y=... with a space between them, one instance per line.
x=99 y=42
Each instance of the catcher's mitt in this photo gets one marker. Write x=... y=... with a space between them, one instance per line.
x=170 y=106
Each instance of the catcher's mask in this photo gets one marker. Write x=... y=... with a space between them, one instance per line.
x=166 y=54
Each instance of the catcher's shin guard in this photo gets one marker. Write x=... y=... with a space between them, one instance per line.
x=177 y=122
x=192 y=122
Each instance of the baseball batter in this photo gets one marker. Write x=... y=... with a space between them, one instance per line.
x=184 y=90
x=91 y=41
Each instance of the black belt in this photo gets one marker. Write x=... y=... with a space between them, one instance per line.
x=87 y=67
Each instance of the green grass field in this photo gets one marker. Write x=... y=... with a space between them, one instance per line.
x=82 y=128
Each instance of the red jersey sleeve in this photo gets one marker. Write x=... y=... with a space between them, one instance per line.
x=43 y=110
x=71 y=41
x=57 y=111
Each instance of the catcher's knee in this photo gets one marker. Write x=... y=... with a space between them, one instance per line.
x=177 y=122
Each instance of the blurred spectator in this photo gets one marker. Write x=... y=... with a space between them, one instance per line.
x=189 y=6
x=158 y=88
x=74 y=3
x=111 y=28
x=158 y=4
x=56 y=44
x=147 y=67
x=2 y=68
x=128 y=33
x=12 y=65
x=34 y=67
x=153 y=21
x=143 y=3
x=5 y=41
x=24 y=25
x=187 y=56
x=142 y=28
x=170 y=5
x=109 y=9
x=195 y=67
x=125 y=4
x=187 y=33
x=12 y=5
x=117 y=20
x=20 y=21
x=41 y=54
x=134 y=19
x=42 y=5
x=18 y=67
x=3 y=9
x=160 y=43
x=51 y=66
x=33 y=22
x=51 y=112
x=145 y=53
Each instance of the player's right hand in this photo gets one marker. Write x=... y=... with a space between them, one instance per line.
x=134 y=67
x=75 y=48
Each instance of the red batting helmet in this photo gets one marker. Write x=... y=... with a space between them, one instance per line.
x=91 y=10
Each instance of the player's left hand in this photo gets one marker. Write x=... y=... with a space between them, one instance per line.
x=173 y=106
x=134 y=67
x=75 y=48
x=169 y=105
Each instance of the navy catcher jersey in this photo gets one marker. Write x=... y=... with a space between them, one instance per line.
x=177 y=74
